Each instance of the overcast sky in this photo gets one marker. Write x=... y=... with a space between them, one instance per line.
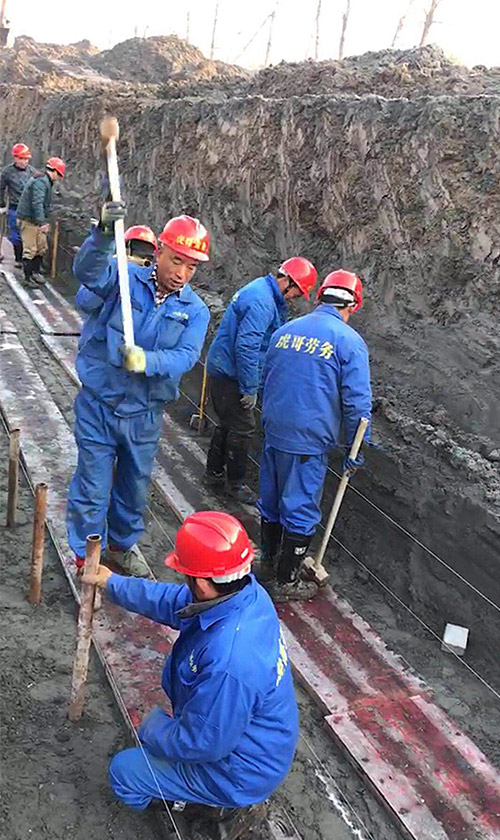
x=467 y=30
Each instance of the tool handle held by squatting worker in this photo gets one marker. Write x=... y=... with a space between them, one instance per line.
x=109 y=137
x=344 y=481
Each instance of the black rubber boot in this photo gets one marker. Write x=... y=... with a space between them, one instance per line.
x=289 y=586
x=265 y=567
x=214 y=476
x=37 y=275
x=28 y=273
x=18 y=253
x=237 y=447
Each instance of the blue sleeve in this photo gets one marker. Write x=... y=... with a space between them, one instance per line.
x=355 y=388
x=210 y=725
x=94 y=266
x=251 y=331
x=158 y=601
x=177 y=361
x=38 y=190
x=87 y=301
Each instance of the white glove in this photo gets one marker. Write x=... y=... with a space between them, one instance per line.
x=248 y=401
x=3 y=211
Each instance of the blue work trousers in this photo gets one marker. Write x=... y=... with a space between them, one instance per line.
x=14 y=235
x=290 y=489
x=107 y=495
x=137 y=777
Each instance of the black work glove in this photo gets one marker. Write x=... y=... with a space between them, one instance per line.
x=111 y=212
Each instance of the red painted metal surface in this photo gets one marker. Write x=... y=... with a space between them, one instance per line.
x=429 y=774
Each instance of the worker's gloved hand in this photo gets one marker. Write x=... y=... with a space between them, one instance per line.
x=111 y=212
x=45 y=228
x=150 y=730
x=100 y=578
x=248 y=401
x=3 y=211
x=352 y=464
x=134 y=358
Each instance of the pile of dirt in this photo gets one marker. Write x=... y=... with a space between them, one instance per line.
x=390 y=73
x=162 y=58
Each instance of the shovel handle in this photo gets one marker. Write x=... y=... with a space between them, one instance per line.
x=344 y=481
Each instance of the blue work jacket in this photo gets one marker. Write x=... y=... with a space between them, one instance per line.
x=235 y=719
x=316 y=378
x=239 y=348
x=172 y=334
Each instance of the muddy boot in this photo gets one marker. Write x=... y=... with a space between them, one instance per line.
x=265 y=567
x=38 y=277
x=28 y=274
x=18 y=254
x=237 y=447
x=130 y=561
x=289 y=586
x=228 y=823
x=215 y=477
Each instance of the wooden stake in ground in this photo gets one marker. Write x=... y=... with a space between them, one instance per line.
x=81 y=660
x=38 y=544
x=345 y=19
x=429 y=20
x=55 y=246
x=13 y=478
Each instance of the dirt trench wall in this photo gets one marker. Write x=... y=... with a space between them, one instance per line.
x=407 y=193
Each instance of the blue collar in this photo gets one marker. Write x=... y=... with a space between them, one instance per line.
x=329 y=310
x=280 y=300
x=221 y=610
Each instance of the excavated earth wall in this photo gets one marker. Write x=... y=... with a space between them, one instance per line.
x=404 y=191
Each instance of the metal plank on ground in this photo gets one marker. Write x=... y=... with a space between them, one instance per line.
x=48 y=309
x=131 y=648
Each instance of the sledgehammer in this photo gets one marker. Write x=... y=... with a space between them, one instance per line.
x=312 y=567
x=109 y=137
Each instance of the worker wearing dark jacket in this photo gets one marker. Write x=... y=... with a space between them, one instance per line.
x=33 y=213
x=119 y=409
x=13 y=180
x=234 y=727
x=235 y=362
x=316 y=380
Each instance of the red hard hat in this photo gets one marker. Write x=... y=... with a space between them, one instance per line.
x=21 y=150
x=344 y=280
x=187 y=236
x=302 y=272
x=57 y=164
x=212 y=544
x=143 y=233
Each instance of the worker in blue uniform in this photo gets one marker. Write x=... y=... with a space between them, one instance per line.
x=316 y=380
x=235 y=361
x=232 y=735
x=124 y=390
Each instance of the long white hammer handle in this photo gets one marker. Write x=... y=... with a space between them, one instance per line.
x=344 y=481
x=109 y=136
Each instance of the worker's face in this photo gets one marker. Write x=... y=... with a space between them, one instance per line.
x=174 y=270
x=288 y=288
x=21 y=163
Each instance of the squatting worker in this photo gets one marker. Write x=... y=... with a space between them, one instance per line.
x=118 y=412
x=13 y=180
x=316 y=379
x=234 y=729
x=235 y=362
x=33 y=213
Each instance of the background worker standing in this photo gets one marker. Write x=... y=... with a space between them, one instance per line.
x=14 y=178
x=316 y=380
x=232 y=737
x=33 y=213
x=235 y=362
x=119 y=409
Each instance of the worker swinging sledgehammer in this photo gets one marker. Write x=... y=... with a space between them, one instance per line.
x=234 y=364
x=232 y=737
x=124 y=389
x=316 y=379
